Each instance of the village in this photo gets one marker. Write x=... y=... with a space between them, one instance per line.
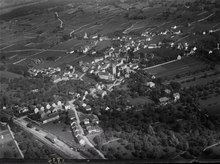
x=111 y=70
x=129 y=81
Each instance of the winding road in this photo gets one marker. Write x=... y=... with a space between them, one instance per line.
x=81 y=129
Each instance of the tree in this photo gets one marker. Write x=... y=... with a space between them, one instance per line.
x=175 y=86
x=7 y=154
x=65 y=37
x=147 y=146
x=3 y=57
x=129 y=146
x=2 y=68
x=98 y=140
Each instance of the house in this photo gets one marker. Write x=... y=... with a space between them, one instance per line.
x=25 y=109
x=93 y=129
x=98 y=59
x=164 y=100
x=86 y=93
x=150 y=84
x=105 y=75
x=177 y=32
x=47 y=111
x=101 y=93
x=95 y=36
x=67 y=107
x=127 y=75
x=48 y=106
x=50 y=117
x=81 y=140
x=84 y=104
x=151 y=46
x=167 y=91
x=71 y=115
x=88 y=108
x=176 y=96
x=86 y=121
x=36 y=110
x=54 y=105
x=42 y=108
x=95 y=120
x=55 y=110
x=105 y=66
x=174 y=27
x=42 y=114
x=179 y=57
x=92 y=91
x=85 y=36
x=35 y=90
x=98 y=87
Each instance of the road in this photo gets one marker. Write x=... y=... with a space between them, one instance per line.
x=160 y=64
x=216 y=30
x=182 y=38
x=7 y=47
x=116 y=139
x=73 y=31
x=52 y=50
x=16 y=143
x=215 y=25
x=200 y=20
x=82 y=132
x=59 y=146
x=89 y=28
x=61 y=22
x=179 y=155
x=42 y=50
x=202 y=13
x=82 y=76
x=206 y=17
x=128 y=29
x=19 y=61
x=213 y=145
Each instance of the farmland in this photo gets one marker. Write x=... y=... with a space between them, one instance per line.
x=212 y=104
x=7 y=144
x=177 y=67
x=62 y=131
x=40 y=30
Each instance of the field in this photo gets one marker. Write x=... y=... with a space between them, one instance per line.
x=178 y=67
x=39 y=29
x=7 y=144
x=140 y=100
x=9 y=75
x=119 y=147
x=212 y=153
x=212 y=105
x=62 y=131
x=200 y=81
x=164 y=52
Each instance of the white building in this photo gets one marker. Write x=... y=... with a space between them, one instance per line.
x=48 y=106
x=176 y=96
x=179 y=57
x=151 y=84
x=164 y=100
x=86 y=121
x=85 y=36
